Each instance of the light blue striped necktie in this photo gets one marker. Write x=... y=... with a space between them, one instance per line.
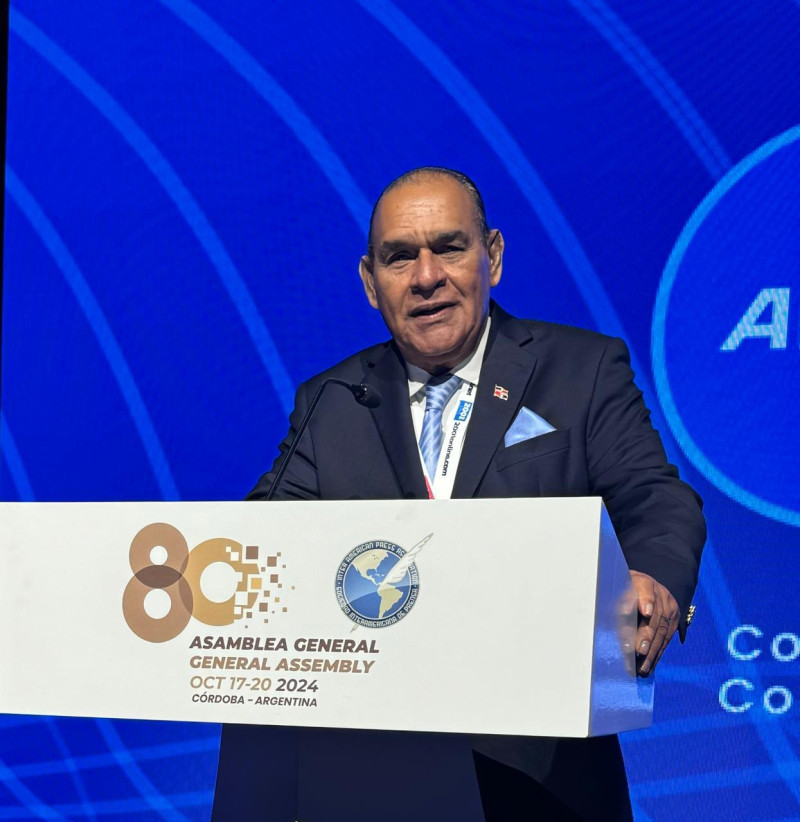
x=438 y=391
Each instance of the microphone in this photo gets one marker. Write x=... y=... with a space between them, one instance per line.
x=366 y=395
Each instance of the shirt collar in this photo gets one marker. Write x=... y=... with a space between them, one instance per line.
x=468 y=370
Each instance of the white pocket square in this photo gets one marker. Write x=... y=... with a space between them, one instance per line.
x=526 y=426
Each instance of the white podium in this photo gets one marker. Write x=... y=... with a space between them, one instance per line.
x=465 y=616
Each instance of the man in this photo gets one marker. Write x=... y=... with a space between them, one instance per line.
x=556 y=413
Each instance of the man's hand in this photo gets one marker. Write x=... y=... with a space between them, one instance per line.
x=658 y=620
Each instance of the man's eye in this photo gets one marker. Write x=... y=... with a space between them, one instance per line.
x=398 y=257
x=449 y=249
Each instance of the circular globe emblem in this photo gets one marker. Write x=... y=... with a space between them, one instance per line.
x=375 y=586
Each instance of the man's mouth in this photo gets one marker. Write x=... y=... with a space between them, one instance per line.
x=430 y=310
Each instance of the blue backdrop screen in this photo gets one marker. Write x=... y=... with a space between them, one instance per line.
x=188 y=188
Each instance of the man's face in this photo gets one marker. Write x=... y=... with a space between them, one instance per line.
x=431 y=274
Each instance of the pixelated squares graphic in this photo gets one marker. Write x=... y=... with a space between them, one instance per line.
x=253 y=597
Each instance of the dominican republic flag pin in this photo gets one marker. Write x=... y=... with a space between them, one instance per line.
x=501 y=392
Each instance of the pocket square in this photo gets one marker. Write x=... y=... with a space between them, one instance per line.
x=526 y=426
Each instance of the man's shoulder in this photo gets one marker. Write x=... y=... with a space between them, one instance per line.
x=561 y=336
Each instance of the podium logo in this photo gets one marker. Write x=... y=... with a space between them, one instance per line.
x=218 y=582
x=726 y=348
x=377 y=583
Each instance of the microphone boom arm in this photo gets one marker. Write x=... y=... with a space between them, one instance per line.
x=364 y=395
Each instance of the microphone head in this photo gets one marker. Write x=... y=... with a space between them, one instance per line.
x=367 y=395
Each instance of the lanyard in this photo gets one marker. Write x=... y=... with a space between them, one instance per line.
x=454 y=427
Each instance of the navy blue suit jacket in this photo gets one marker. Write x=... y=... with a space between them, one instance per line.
x=603 y=444
x=579 y=381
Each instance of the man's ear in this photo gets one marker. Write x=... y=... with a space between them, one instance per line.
x=495 y=247
x=368 y=279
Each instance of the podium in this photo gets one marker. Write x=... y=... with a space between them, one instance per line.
x=381 y=642
x=455 y=618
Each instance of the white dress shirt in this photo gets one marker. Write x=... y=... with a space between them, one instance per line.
x=469 y=372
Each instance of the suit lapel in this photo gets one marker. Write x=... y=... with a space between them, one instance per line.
x=508 y=364
x=393 y=419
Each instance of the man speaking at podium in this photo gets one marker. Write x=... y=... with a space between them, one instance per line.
x=550 y=411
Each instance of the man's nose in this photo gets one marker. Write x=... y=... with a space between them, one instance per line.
x=428 y=272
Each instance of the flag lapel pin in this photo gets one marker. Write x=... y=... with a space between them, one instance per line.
x=501 y=392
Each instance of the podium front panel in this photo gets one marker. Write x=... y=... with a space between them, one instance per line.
x=469 y=616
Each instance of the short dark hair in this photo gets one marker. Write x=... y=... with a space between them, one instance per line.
x=467 y=183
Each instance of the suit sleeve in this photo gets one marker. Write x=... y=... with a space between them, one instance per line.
x=300 y=480
x=657 y=517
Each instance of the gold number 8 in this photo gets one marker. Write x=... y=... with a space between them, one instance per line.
x=168 y=577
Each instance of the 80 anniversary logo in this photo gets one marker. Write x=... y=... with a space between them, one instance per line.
x=179 y=577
